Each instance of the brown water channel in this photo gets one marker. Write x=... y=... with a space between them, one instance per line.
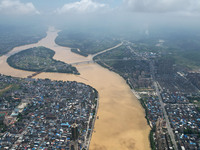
x=121 y=124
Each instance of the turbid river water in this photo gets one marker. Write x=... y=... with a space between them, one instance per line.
x=121 y=124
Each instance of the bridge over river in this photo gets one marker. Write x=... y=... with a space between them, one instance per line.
x=82 y=62
x=95 y=61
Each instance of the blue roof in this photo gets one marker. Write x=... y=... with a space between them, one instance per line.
x=65 y=124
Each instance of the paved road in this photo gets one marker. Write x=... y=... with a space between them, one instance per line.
x=82 y=62
x=20 y=137
x=92 y=56
x=92 y=128
x=170 y=131
x=107 y=50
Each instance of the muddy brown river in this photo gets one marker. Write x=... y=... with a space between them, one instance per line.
x=121 y=124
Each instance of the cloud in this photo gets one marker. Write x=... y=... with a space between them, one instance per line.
x=83 y=6
x=163 y=6
x=17 y=7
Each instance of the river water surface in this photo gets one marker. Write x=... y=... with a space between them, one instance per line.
x=121 y=124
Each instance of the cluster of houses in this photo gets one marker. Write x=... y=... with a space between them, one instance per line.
x=154 y=110
x=185 y=121
x=183 y=114
x=41 y=113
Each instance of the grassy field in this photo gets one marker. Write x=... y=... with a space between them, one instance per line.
x=39 y=59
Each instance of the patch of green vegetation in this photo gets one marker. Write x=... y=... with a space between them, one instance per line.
x=151 y=138
x=195 y=100
x=12 y=87
x=125 y=62
x=3 y=85
x=190 y=131
x=122 y=61
x=87 y=43
x=3 y=127
x=115 y=57
x=3 y=91
x=188 y=59
x=143 y=103
x=112 y=58
x=149 y=45
x=184 y=47
x=39 y=59
x=13 y=36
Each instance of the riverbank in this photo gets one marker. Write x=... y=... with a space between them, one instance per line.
x=121 y=123
x=39 y=59
x=151 y=138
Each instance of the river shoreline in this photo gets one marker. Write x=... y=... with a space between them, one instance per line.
x=122 y=123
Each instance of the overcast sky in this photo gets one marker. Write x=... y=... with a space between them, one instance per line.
x=23 y=7
x=110 y=12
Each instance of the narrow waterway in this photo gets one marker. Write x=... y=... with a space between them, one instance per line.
x=121 y=124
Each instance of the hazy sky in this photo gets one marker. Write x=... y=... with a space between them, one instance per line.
x=107 y=12
x=22 y=7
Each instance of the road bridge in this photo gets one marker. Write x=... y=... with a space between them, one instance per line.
x=82 y=63
x=95 y=61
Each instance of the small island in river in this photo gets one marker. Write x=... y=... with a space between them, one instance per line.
x=39 y=59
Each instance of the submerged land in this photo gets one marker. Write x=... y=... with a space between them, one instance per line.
x=159 y=70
